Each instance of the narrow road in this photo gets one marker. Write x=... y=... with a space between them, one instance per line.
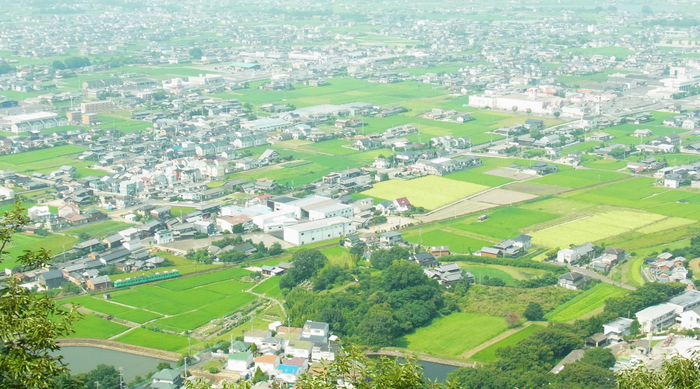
x=274 y=300
x=593 y=274
x=495 y=340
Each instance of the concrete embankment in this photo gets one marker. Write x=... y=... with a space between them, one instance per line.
x=117 y=346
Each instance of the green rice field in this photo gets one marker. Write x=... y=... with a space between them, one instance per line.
x=586 y=302
x=489 y=353
x=421 y=191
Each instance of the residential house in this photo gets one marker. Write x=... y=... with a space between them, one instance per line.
x=572 y=280
x=267 y=363
x=390 y=238
x=167 y=379
x=239 y=362
x=690 y=319
x=256 y=336
x=424 y=259
x=402 y=204
x=617 y=329
x=98 y=283
x=52 y=279
x=439 y=251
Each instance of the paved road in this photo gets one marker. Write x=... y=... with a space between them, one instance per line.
x=592 y=274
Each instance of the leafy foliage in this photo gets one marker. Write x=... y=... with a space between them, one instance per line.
x=305 y=264
x=381 y=259
x=376 y=310
x=533 y=312
x=30 y=323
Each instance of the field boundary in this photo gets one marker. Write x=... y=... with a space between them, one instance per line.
x=118 y=346
x=496 y=339
x=420 y=357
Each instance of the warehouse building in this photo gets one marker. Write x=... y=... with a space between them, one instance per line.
x=318 y=230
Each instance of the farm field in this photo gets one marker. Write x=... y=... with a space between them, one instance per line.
x=270 y=288
x=503 y=223
x=499 y=301
x=157 y=340
x=421 y=191
x=21 y=242
x=481 y=271
x=182 y=264
x=593 y=228
x=47 y=160
x=434 y=236
x=516 y=273
x=339 y=256
x=578 y=178
x=489 y=353
x=116 y=310
x=99 y=230
x=466 y=331
x=180 y=284
x=586 y=302
x=91 y=326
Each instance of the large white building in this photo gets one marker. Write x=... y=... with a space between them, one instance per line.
x=318 y=230
x=328 y=211
x=537 y=104
x=207 y=80
x=34 y=121
x=656 y=318
x=266 y=125
x=275 y=221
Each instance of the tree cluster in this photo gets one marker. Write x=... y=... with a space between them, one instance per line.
x=528 y=364
x=644 y=297
x=376 y=310
x=76 y=62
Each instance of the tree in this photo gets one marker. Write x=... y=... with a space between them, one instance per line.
x=378 y=328
x=381 y=259
x=163 y=365
x=385 y=177
x=618 y=153
x=232 y=256
x=76 y=62
x=68 y=288
x=599 y=356
x=6 y=67
x=103 y=376
x=677 y=372
x=305 y=264
x=275 y=249
x=109 y=270
x=580 y=375
x=403 y=274
x=259 y=376
x=533 y=312
x=238 y=229
x=58 y=65
x=646 y=10
x=195 y=53
x=512 y=319
x=515 y=108
x=31 y=323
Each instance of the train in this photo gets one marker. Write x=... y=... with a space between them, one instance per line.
x=149 y=278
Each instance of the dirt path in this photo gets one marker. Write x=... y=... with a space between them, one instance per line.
x=420 y=356
x=274 y=300
x=495 y=340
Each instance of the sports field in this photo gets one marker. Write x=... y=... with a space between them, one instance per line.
x=489 y=353
x=593 y=228
x=586 y=302
x=456 y=333
x=429 y=192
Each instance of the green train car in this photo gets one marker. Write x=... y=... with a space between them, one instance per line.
x=149 y=278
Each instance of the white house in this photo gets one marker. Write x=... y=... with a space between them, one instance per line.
x=690 y=319
x=325 y=351
x=315 y=331
x=267 y=363
x=318 y=230
x=617 y=328
x=239 y=362
x=39 y=212
x=657 y=317
x=6 y=193
x=164 y=237
x=274 y=221
x=298 y=348
x=256 y=336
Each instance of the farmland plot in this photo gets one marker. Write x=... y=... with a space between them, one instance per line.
x=430 y=191
x=586 y=302
x=593 y=228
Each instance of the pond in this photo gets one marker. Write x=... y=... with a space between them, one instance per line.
x=84 y=359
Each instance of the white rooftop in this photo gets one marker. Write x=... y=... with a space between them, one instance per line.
x=30 y=116
x=316 y=224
